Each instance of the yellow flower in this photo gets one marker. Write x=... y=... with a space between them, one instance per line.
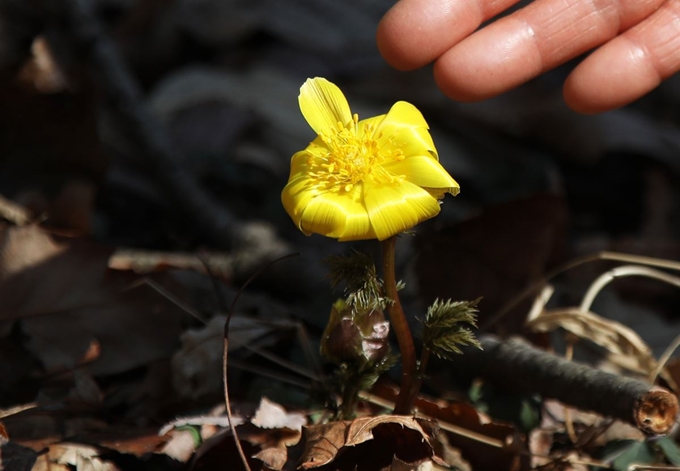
x=368 y=179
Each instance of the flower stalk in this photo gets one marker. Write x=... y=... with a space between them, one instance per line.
x=401 y=330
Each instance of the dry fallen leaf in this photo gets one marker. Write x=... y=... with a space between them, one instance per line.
x=197 y=366
x=181 y=445
x=471 y=424
x=273 y=458
x=272 y=415
x=147 y=261
x=16 y=457
x=81 y=457
x=324 y=442
x=624 y=345
x=66 y=298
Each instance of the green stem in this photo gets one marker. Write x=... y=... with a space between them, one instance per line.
x=401 y=330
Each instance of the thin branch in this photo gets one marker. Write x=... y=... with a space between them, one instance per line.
x=664 y=359
x=225 y=354
x=621 y=272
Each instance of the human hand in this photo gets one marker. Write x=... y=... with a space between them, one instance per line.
x=637 y=41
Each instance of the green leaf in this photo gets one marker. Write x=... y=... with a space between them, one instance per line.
x=445 y=327
x=638 y=452
x=670 y=450
x=623 y=453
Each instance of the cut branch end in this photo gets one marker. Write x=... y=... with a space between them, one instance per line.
x=656 y=411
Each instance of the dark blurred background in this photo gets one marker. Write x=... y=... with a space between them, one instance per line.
x=168 y=125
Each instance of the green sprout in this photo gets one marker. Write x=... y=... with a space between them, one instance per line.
x=445 y=327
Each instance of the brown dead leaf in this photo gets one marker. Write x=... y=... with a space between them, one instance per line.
x=197 y=365
x=273 y=458
x=81 y=457
x=324 y=442
x=219 y=452
x=67 y=298
x=399 y=465
x=14 y=457
x=624 y=345
x=147 y=261
x=135 y=442
x=479 y=454
x=451 y=455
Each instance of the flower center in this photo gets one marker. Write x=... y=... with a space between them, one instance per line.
x=351 y=156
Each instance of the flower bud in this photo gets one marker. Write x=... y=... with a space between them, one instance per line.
x=355 y=336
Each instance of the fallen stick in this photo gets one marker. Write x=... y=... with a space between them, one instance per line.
x=516 y=366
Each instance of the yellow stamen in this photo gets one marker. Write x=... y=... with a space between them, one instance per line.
x=351 y=156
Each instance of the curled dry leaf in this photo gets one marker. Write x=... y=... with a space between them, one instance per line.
x=366 y=443
x=324 y=442
x=625 y=346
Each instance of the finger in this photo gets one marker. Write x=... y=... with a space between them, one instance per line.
x=531 y=41
x=415 y=32
x=628 y=66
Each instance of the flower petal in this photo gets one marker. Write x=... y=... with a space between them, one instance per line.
x=425 y=172
x=295 y=197
x=405 y=128
x=302 y=162
x=394 y=209
x=368 y=126
x=323 y=105
x=339 y=215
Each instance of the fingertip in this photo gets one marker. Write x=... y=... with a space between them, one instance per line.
x=498 y=58
x=399 y=53
x=414 y=33
x=451 y=76
x=614 y=75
